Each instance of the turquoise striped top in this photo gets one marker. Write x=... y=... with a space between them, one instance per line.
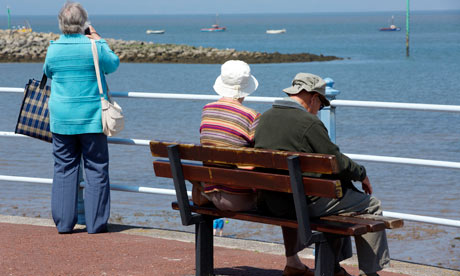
x=75 y=102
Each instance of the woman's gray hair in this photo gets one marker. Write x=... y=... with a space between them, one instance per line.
x=72 y=18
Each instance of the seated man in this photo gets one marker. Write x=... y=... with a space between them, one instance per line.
x=292 y=125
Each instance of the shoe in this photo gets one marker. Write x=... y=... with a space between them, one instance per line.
x=342 y=272
x=292 y=271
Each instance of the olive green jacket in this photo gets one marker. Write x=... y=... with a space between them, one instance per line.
x=289 y=126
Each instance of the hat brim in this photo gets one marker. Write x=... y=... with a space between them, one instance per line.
x=324 y=100
x=229 y=91
x=292 y=90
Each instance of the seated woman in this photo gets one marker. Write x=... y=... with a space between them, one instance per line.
x=228 y=123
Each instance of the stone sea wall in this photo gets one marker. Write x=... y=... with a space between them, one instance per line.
x=31 y=47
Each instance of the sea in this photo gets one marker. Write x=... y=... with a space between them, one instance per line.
x=375 y=68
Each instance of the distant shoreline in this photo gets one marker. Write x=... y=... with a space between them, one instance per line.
x=31 y=47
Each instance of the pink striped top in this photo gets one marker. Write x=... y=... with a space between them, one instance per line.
x=227 y=123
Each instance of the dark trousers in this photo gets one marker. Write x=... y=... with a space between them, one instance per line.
x=371 y=248
x=68 y=151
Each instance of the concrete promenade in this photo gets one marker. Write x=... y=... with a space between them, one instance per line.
x=32 y=246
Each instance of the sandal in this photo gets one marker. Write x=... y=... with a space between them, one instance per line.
x=292 y=271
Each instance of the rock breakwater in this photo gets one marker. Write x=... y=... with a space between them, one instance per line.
x=31 y=47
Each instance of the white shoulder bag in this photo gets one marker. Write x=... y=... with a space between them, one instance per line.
x=112 y=115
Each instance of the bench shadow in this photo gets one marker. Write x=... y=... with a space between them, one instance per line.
x=246 y=270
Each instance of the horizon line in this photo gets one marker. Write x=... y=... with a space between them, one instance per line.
x=252 y=13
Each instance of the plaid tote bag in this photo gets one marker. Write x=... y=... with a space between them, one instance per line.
x=34 y=120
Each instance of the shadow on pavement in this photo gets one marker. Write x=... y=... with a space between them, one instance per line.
x=246 y=270
x=115 y=228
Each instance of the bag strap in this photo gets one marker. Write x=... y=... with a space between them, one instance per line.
x=43 y=81
x=96 y=66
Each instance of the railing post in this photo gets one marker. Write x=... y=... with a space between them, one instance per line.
x=81 y=202
x=327 y=115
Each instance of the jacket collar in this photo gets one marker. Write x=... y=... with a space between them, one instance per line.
x=288 y=102
x=230 y=100
x=72 y=38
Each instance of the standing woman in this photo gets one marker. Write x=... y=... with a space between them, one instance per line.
x=75 y=121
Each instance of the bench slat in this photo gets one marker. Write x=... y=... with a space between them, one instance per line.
x=347 y=229
x=309 y=162
x=390 y=223
x=372 y=225
x=250 y=179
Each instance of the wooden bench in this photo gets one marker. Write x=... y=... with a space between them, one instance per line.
x=287 y=178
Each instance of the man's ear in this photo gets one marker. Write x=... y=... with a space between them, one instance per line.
x=312 y=95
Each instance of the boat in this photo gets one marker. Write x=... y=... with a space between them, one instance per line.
x=25 y=28
x=392 y=27
x=155 y=31
x=214 y=27
x=280 y=31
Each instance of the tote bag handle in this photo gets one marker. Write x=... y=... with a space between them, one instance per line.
x=96 y=66
x=43 y=81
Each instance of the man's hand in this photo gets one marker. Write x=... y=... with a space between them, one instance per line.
x=367 y=187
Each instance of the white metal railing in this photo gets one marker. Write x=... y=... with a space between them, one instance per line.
x=149 y=190
x=334 y=103
x=405 y=161
x=115 y=187
x=433 y=220
x=400 y=106
x=12 y=89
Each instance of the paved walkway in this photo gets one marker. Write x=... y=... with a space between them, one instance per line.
x=31 y=246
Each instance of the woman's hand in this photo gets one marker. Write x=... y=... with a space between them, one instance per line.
x=93 y=34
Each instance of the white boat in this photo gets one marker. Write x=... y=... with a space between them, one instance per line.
x=280 y=31
x=155 y=31
x=392 y=26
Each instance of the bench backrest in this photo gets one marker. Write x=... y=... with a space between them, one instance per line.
x=310 y=162
x=267 y=159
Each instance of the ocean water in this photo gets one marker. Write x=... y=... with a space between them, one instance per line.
x=375 y=68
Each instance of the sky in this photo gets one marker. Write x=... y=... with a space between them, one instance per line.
x=107 y=7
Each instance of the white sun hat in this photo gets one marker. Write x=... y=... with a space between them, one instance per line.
x=235 y=80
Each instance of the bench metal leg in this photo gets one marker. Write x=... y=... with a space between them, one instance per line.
x=204 y=239
x=179 y=185
x=300 y=201
x=324 y=259
x=204 y=247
